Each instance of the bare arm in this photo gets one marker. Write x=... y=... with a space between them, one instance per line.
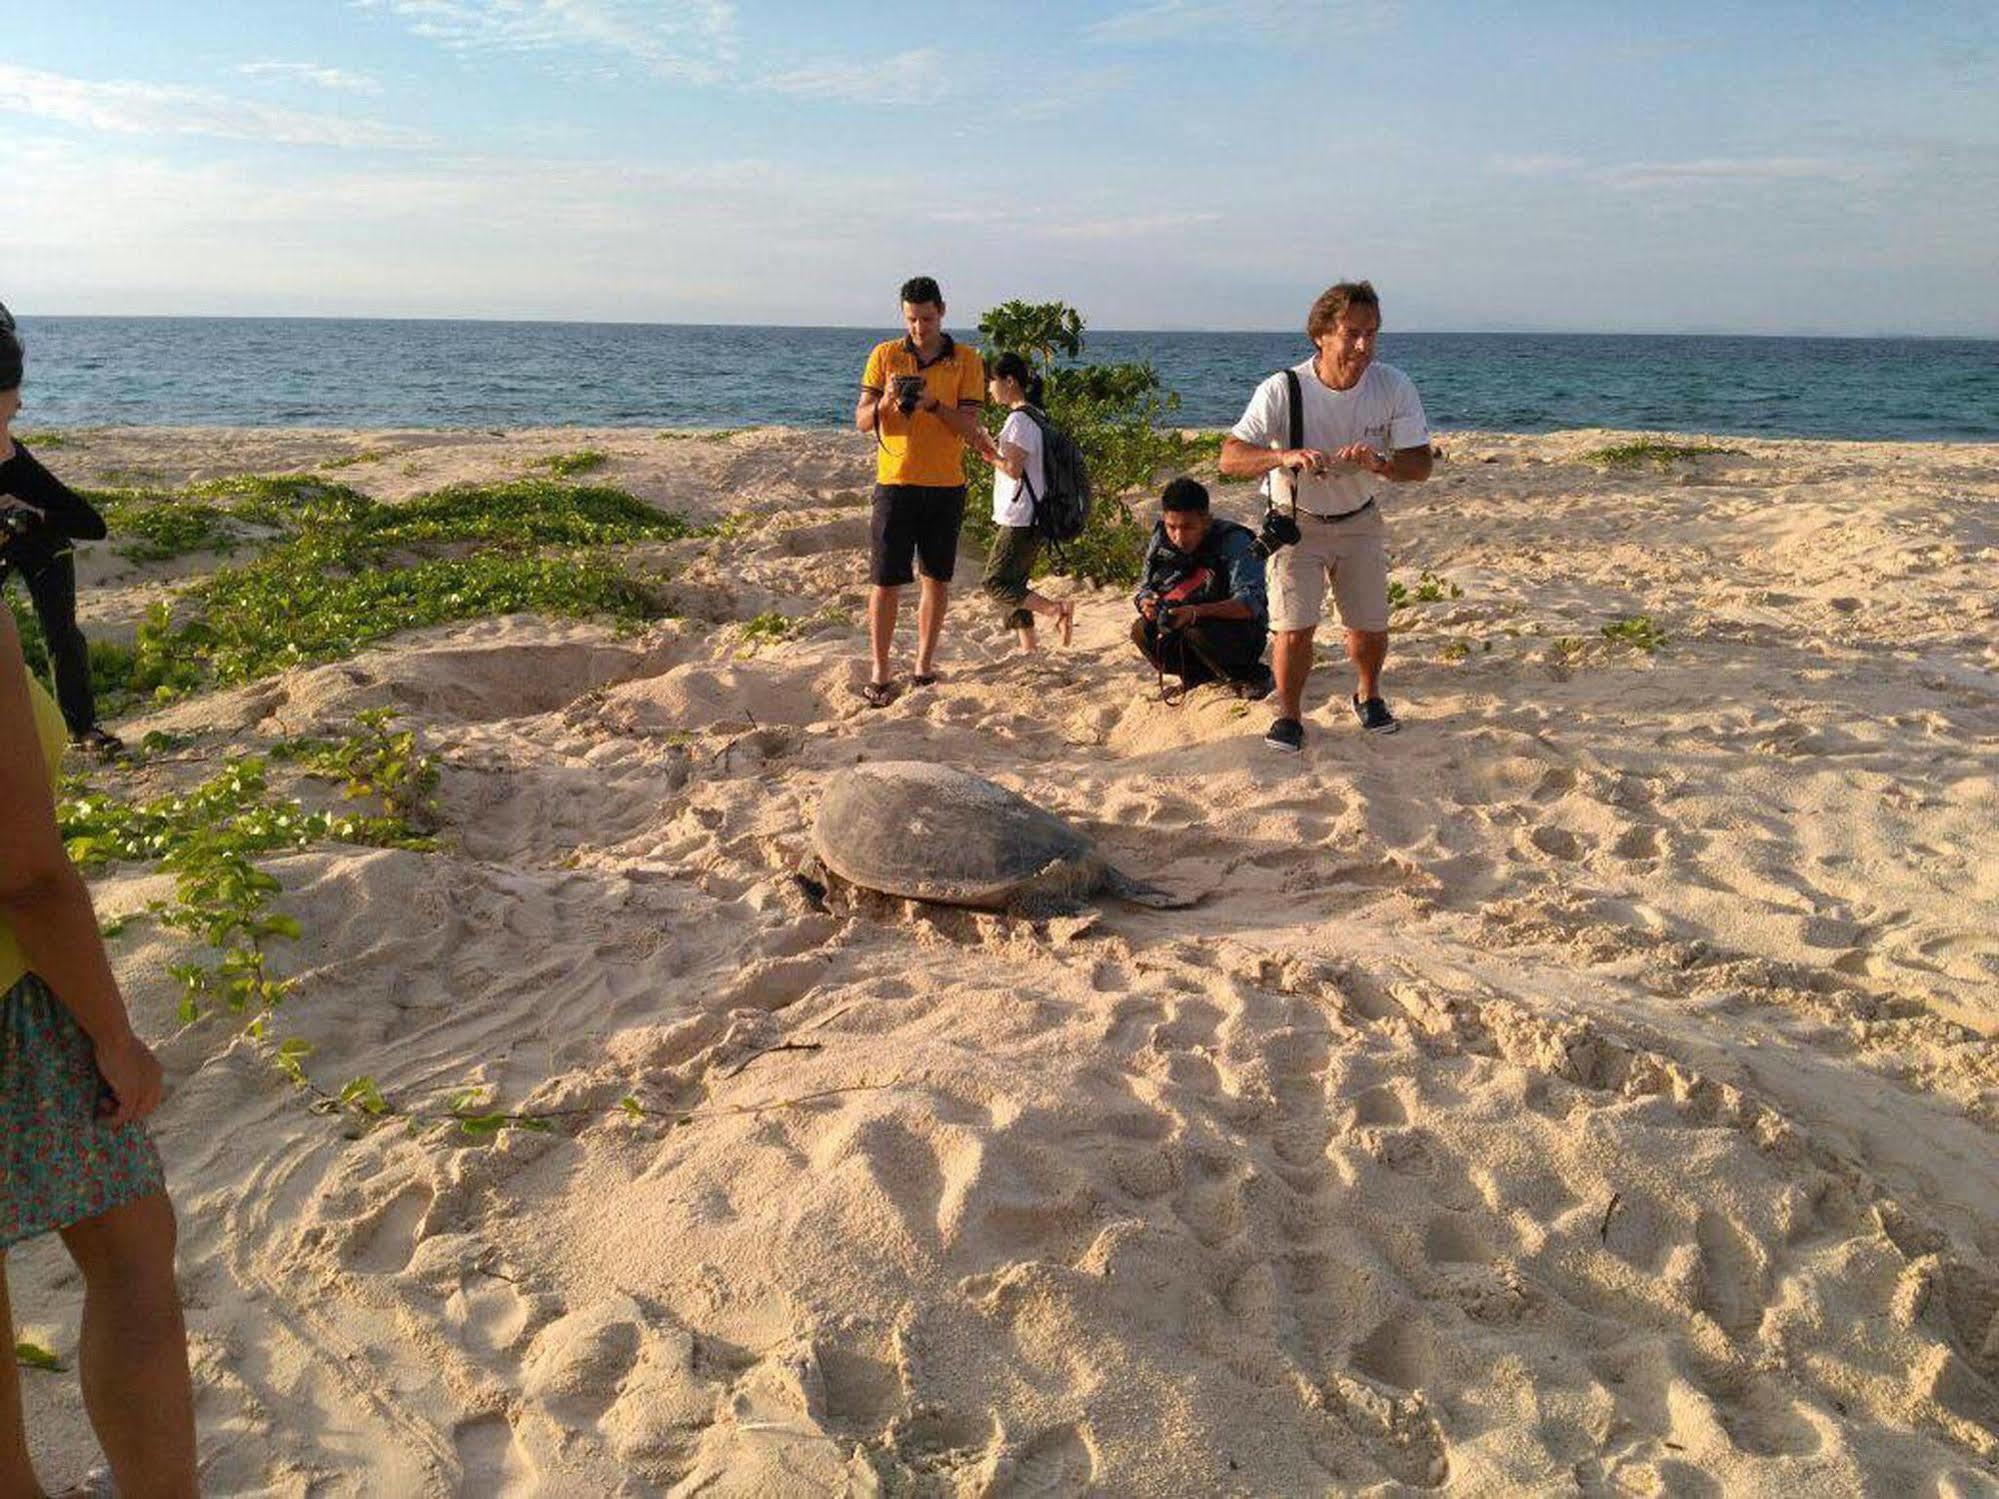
x=1241 y=460
x=1406 y=466
x=46 y=904
x=867 y=410
x=1008 y=457
x=962 y=420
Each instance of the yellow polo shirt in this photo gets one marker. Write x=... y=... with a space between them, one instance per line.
x=920 y=449
x=49 y=728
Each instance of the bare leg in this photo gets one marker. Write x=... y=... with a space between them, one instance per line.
x=882 y=606
x=1024 y=634
x=929 y=623
x=1063 y=612
x=1367 y=649
x=17 y=1475
x=1291 y=663
x=134 y=1348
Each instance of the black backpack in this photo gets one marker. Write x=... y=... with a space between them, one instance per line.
x=1063 y=510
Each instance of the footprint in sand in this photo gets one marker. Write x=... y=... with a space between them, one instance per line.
x=491 y=1464
x=1055 y=1464
x=384 y=1242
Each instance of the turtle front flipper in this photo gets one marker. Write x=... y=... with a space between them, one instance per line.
x=1140 y=893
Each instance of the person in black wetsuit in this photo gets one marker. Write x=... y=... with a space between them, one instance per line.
x=1202 y=615
x=40 y=517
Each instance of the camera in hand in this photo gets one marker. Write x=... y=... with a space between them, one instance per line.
x=17 y=524
x=1278 y=532
x=908 y=393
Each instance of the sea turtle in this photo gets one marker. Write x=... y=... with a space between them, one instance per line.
x=931 y=832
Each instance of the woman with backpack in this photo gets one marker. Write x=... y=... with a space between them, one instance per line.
x=1020 y=475
x=76 y=1080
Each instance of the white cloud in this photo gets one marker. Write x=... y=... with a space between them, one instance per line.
x=337 y=79
x=1534 y=165
x=1749 y=170
x=1707 y=171
x=689 y=39
x=1178 y=20
x=913 y=78
x=155 y=109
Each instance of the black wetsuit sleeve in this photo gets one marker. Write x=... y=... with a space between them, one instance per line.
x=68 y=513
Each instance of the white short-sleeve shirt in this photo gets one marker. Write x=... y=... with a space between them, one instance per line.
x=1011 y=504
x=1382 y=410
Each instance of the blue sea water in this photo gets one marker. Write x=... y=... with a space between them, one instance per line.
x=305 y=372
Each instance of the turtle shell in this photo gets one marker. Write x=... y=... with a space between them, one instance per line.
x=931 y=832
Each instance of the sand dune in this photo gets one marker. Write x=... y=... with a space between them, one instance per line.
x=1591 y=1088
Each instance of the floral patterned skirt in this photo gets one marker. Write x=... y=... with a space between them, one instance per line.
x=59 y=1163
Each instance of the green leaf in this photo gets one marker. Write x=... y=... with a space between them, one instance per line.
x=34 y=1356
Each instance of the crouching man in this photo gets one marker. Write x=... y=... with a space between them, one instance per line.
x=1202 y=612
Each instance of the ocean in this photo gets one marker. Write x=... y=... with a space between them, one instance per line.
x=303 y=372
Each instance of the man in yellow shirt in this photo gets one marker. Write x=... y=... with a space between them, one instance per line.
x=920 y=396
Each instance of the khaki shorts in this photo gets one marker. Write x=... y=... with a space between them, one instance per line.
x=1349 y=555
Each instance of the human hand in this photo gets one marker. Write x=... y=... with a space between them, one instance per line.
x=1179 y=617
x=1148 y=605
x=1363 y=456
x=1303 y=460
x=134 y=1077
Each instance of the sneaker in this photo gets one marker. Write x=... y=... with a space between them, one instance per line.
x=1374 y=715
x=100 y=742
x=1286 y=734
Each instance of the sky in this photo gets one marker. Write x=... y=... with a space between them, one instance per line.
x=1602 y=165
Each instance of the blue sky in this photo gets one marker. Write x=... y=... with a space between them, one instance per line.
x=1771 y=167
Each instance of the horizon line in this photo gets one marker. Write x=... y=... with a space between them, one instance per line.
x=1500 y=331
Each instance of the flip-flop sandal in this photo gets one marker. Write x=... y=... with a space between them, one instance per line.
x=924 y=679
x=878 y=694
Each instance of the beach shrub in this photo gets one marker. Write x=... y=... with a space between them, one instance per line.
x=153 y=528
x=770 y=625
x=1113 y=411
x=207 y=837
x=1637 y=631
x=583 y=461
x=346 y=571
x=1646 y=450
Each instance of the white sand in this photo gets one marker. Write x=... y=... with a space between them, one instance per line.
x=1591 y=1088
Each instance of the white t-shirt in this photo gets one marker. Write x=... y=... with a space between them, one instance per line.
x=1011 y=505
x=1382 y=410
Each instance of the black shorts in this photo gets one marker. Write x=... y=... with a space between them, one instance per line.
x=915 y=522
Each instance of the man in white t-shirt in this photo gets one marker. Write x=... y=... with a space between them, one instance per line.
x=1360 y=428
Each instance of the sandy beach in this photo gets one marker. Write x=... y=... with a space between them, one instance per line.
x=1591 y=1088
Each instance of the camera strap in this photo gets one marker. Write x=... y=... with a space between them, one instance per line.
x=1295 y=419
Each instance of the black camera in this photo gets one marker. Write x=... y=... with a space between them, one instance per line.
x=908 y=393
x=1279 y=531
x=17 y=524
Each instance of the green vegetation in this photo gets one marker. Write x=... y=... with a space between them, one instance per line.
x=154 y=529
x=770 y=625
x=583 y=461
x=1113 y=411
x=731 y=527
x=1429 y=589
x=207 y=837
x=1647 y=450
x=718 y=434
x=348 y=460
x=34 y=1356
x=45 y=442
x=1637 y=631
x=345 y=571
